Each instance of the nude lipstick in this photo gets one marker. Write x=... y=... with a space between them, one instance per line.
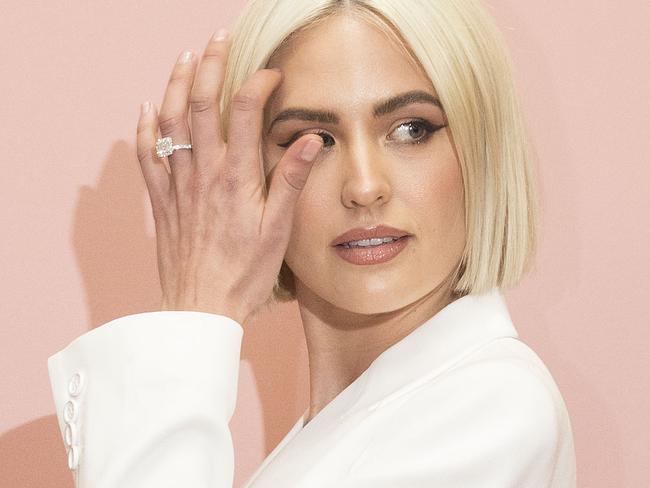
x=364 y=246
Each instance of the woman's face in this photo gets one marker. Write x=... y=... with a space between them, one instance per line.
x=389 y=169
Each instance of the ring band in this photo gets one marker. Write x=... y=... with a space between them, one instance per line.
x=164 y=147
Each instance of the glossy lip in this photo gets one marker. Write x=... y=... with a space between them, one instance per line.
x=373 y=254
x=360 y=233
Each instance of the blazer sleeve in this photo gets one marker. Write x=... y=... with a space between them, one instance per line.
x=491 y=424
x=145 y=400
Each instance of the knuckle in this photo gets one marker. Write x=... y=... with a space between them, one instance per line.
x=141 y=132
x=199 y=186
x=144 y=153
x=179 y=76
x=142 y=128
x=245 y=101
x=294 y=179
x=201 y=103
x=214 y=54
x=229 y=181
x=171 y=124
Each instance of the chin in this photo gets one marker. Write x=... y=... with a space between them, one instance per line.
x=371 y=302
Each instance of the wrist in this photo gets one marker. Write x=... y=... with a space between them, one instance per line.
x=229 y=311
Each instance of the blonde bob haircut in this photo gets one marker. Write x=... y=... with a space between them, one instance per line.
x=457 y=44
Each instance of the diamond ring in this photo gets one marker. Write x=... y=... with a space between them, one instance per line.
x=164 y=147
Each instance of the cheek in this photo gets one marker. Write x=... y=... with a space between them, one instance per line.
x=439 y=195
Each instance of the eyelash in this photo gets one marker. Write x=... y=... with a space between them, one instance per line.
x=428 y=126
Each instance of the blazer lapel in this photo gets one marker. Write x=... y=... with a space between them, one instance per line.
x=455 y=331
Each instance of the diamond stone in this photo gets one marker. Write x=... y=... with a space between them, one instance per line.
x=164 y=147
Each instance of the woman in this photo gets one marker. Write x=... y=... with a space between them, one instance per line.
x=382 y=179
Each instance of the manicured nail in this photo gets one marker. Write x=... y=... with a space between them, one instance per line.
x=185 y=57
x=220 y=35
x=310 y=150
x=145 y=107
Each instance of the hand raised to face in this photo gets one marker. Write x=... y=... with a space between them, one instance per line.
x=220 y=240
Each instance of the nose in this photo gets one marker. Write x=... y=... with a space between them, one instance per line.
x=366 y=180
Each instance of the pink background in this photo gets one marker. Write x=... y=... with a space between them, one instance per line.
x=78 y=241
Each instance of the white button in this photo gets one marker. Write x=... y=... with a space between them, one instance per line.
x=70 y=411
x=73 y=457
x=76 y=384
x=70 y=434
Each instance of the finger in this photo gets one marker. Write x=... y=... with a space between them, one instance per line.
x=289 y=178
x=173 y=116
x=245 y=128
x=207 y=139
x=159 y=186
x=154 y=172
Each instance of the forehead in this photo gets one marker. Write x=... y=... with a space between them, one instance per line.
x=344 y=62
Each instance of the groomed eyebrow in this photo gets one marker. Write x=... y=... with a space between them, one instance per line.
x=382 y=107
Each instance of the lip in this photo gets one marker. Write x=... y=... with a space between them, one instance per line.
x=359 y=233
x=373 y=254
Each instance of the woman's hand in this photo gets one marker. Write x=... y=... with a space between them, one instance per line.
x=220 y=241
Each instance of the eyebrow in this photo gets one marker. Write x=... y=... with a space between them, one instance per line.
x=382 y=107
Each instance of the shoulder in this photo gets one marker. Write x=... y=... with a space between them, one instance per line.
x=497 y=408
x=495 y=412
x=504 y=388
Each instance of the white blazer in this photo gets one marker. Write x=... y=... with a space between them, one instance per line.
x=145 y=401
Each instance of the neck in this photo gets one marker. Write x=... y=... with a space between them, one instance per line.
x=341 y=344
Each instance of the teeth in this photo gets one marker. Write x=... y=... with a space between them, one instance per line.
x=369 y=242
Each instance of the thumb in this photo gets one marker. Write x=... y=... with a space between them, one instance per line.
x=289 y=178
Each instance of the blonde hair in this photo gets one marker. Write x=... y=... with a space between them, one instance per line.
x=459 y=47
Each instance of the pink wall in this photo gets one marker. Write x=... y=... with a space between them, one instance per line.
x=78 y=243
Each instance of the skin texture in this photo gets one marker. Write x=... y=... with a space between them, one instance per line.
x=367 y=173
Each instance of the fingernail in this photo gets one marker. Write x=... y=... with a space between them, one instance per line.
x=145 y=107
x=220 y=35
x=310 y=150
x=185 y=57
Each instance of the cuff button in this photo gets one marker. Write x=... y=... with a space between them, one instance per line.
x=70 y=434
x=73 y=457
x=70 y=411
x=76 y=384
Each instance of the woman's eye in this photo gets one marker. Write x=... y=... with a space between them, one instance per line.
x=416 y=131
